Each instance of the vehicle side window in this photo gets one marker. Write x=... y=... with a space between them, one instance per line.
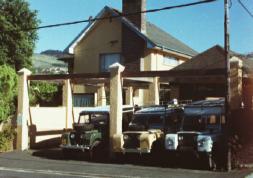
x=212 y=119
x=223 y=120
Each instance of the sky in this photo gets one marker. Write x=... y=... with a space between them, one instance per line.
x=200 y=27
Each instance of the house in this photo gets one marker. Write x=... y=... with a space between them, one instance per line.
x=130 y=40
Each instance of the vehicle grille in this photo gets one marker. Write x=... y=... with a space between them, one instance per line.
x=76 y=140
x=189 y=140
x=132 y=141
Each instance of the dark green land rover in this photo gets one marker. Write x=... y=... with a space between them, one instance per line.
x=91 y=133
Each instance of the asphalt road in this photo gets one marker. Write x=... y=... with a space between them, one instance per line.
x=51 y=164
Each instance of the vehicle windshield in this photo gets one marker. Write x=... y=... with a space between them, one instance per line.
x=92 y=118
x=194 y=123
x=146 y=122
x=173 y=123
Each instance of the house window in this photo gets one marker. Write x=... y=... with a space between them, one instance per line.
x=168 y=60
x=108 y=59
x=83 y=100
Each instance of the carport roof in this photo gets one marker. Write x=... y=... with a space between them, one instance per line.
x=213 y=58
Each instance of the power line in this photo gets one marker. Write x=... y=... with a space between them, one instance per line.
x=119 y=15
x=245 y=8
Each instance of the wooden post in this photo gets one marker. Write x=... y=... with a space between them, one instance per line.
x=101 y=96
x=129 y=96
x=228 y=89
x=23 y=115
x=154 y=92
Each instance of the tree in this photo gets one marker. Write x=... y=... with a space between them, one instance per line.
x=17 y=42
x=8 y=91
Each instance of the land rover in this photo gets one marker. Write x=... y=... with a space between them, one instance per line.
x=202 y=131
x=146 y=130
x=91 y=132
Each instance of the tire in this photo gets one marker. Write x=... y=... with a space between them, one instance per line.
x=67 y=154
x=209 y=161
x=119 y=157
x=98 y=151
x=156 y=152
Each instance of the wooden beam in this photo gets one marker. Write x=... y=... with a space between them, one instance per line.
x=69 y=76
x=195 y=80
x=175 y=73
x=169 y=73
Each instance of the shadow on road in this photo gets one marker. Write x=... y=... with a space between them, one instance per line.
x=140 y=160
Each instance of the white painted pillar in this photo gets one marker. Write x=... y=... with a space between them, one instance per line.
x=115 y=100
x=129 y=96
x=67 y=102
x=101 y=96
x=154 y=92
x=23 y=110
x=96 y=99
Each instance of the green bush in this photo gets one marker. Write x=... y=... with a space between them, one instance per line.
x=44 y=93
x=8 y=92
x=6 y=138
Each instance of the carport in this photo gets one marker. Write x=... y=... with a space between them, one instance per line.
x=116 y=79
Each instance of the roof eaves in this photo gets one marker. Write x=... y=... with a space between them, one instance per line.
x=169 y=49
x=71 y=46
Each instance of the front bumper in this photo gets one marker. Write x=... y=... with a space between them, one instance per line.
x=76 y=147
x=136 y=150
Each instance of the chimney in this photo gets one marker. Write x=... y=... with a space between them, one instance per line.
x=139 y=20
x=132 y=45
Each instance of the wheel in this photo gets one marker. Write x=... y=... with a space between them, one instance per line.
x=67 y=154
x=119 y=157
x=171 y=158
x=157 y=152
x=209 y=161
x=98 y=152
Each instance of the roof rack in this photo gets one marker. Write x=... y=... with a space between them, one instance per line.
x=208 y=103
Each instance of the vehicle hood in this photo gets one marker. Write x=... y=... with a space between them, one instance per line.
x=194 y=132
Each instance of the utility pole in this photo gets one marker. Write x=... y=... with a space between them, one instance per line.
x=228 y=90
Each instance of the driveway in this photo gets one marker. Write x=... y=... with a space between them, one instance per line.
x=50 y=163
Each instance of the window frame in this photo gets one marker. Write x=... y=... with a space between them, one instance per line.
x=104 y=54
x=171 y=58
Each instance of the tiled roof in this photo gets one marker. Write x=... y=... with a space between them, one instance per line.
x=165 y=40
x=213 y=58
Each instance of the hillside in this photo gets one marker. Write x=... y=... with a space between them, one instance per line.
x=45 y=64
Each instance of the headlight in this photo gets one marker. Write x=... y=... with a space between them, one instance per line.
x=170 y=142
x=204 y=141
x=64 y=141
x=125 y=137
x=72 y=136
x=180 y=138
